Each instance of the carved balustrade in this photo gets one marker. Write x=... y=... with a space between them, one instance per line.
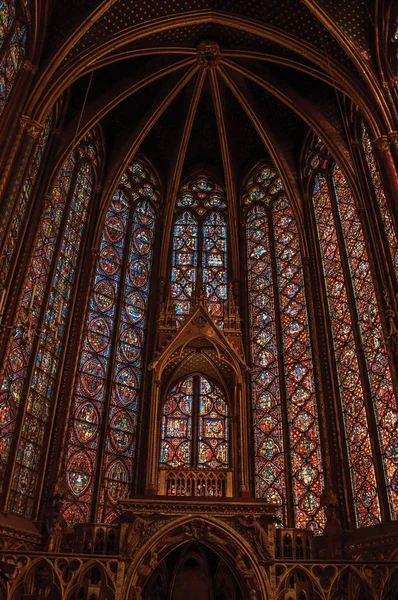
x=196 y=482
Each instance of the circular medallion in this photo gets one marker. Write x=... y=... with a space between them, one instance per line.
x=114 y=228
x=130 y=343
x=86 y=422
x=122 y=428
x=135 y=307
x=138 y=272
x=98 y=334
x=79 y=472
x=92 y=376
x=109 y=260
x=126 y=385
x=142 y=240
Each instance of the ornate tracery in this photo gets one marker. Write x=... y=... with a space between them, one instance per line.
x=195 y=428
x=200 y=247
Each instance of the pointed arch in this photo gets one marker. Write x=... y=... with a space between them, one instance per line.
x=195 y=426
x=200 y=253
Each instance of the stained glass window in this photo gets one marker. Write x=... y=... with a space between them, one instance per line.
x=111 y=357
x=176 y=445
x=195 y=427
x=11 y=56
x=371 y=333
x=354 y=412
x=18 y=218
x=356 y=331
x=380 y=197
x=283 y=389
x=185 y=260
x=46 y=343
x=213 y=427
x=200 y=239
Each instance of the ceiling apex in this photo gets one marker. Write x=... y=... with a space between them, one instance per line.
x=208 y=54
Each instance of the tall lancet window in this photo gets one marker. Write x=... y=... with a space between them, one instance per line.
x=34 y=352
x=364 y=377
x=287 y=450
x=200 y=248
x=100 y=453
x=14 y=18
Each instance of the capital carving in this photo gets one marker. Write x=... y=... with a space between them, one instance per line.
x=208 y=54
x=30 y=67
x=33 y=128
x=382 y=143
x=393 y=137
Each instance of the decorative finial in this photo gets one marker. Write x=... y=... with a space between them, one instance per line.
x=208 y=54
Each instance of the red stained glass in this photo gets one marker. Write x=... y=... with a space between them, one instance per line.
x=266 y=401
x=43 y=379
x=372 y=334
x=195 y=404
x=7 y=14
x=351 y=392
x=275 y=277
x=176 y=444
x=213 y=450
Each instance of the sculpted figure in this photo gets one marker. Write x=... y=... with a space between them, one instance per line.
x=259 y=536
x=146 y=569
x=242 y=568
x=133 y=534
x=206 y=533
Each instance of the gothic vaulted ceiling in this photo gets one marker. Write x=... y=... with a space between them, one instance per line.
x=209 y=82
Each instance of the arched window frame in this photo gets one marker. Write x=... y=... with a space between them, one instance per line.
x=300 y=510
x=195 y=419
x=320 y=163
x=94 y=502
x=42 y=321
x=200 y=212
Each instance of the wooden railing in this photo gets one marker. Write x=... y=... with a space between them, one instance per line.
x=196 y=482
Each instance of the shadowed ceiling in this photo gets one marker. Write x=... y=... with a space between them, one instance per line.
x=208 y=82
